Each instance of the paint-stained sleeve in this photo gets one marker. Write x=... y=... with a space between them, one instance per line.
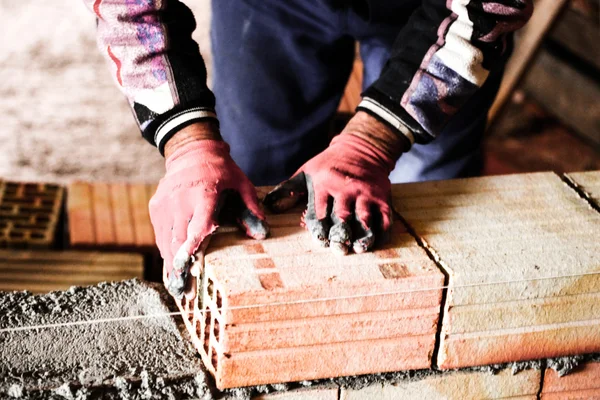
x=155 y=62
x=440 y=59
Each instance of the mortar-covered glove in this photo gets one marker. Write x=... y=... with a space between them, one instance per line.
x=200 y=180
x=347 y=186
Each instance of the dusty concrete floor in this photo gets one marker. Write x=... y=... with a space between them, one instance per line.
x=62 y=116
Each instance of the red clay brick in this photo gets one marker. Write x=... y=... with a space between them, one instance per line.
x=122 y=215
x=287 y=310
x=583 y=383
x=29 y=214
x=110 y=216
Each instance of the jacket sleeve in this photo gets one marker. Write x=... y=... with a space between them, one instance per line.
x=442 y=57
x=155 y=63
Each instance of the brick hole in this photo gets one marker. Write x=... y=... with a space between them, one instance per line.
x=219 y=300
x=33 y=209
x=11 y=187
x=42 y=219
x=21 y=201
x=214 y=359
x=16 y=235
x=37 y=235
x=22 y=225
x=6 y=208
x=210 y=287
x=206 y=333
x=47 y=202
x=18 y=218
x=217 y=330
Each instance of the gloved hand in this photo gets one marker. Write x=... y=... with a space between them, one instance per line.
x=200 y=180
x=347 y=186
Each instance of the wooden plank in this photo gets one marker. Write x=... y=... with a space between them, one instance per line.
x=566 y=93
x=43 y=271
x=545 y=12
x=579 y=34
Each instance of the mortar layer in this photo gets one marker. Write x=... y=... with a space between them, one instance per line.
x=143 y=358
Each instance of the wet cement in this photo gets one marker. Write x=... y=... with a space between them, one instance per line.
x=145 y=358
x=148 y=358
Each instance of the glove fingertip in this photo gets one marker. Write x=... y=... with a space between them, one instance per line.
x=254 y=226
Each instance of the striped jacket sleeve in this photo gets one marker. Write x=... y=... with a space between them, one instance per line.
x=440 y=59
x=155 y=62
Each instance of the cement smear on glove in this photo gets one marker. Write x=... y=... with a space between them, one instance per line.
x=144 y=358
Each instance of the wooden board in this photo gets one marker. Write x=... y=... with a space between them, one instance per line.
x=545 y=13
x=566 y=93
x=45 y=271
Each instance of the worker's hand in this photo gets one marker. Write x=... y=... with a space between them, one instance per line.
x=347 y=186
x=200 y=180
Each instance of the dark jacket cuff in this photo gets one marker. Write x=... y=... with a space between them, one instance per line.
x=163 y=127
x=389 y=111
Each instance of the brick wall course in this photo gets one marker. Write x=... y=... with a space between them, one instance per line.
x=521 y=255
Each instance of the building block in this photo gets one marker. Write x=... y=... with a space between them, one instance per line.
x=521 y=256
x=582 y=383
x=110 y=216
x=285 y=309
x=589 y=183
x=460 y=385
x=29 y=214
x=46 y=271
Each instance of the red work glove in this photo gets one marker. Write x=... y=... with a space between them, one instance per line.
x=347 y=186
x=201 y=179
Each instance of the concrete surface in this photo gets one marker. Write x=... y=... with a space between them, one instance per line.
x=62 y=116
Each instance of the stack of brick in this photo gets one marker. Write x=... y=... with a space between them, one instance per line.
x=521 y=256
x=285 y=310
x=110 y=216
x=29 y=214
x=509 y=263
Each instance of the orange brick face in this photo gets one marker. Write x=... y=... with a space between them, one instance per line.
x=29 y=214
x=113 y=216
x=583 y=383
x=287 y=310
